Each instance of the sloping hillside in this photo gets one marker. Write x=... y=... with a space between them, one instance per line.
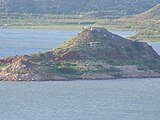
x=147 y=24
x=153 y=13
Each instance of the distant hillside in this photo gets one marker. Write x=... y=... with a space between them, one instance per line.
x=153 y=13
x=102 y=14
x=123 y=7
x=147 y=24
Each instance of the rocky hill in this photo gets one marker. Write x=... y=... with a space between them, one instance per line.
x=94 y=53
x=125 y=7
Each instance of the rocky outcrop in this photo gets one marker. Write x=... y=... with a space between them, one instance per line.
x=94 y=53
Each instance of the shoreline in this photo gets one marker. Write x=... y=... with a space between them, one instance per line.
x=68 y=80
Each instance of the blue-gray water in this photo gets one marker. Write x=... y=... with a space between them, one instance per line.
x=27 y=41
x=132 y=99
x=125 y=99
x=156 y=46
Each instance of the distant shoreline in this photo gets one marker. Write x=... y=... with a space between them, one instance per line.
x=105 y=79
x=109 y=26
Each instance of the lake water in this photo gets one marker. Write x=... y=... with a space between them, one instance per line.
x=156 y=46
x=27 y=41
x=124 y=99
x=132 y=99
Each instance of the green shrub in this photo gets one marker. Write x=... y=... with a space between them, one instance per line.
x=67 y=70
x=117 y=75
x=113 y=69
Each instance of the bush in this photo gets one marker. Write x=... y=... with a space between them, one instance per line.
x=67 y=70
x=113 y=69
x=117 y=75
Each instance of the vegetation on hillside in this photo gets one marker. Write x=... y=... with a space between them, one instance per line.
x=147 y=24
x=76 y=7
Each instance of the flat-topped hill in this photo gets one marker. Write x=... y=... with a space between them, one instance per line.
x=94 y=53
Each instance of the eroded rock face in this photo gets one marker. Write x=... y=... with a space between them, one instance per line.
x=94 y=53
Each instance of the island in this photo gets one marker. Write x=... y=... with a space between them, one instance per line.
x=93 y=54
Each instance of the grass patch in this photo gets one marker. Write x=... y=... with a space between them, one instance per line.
x=62 y=68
